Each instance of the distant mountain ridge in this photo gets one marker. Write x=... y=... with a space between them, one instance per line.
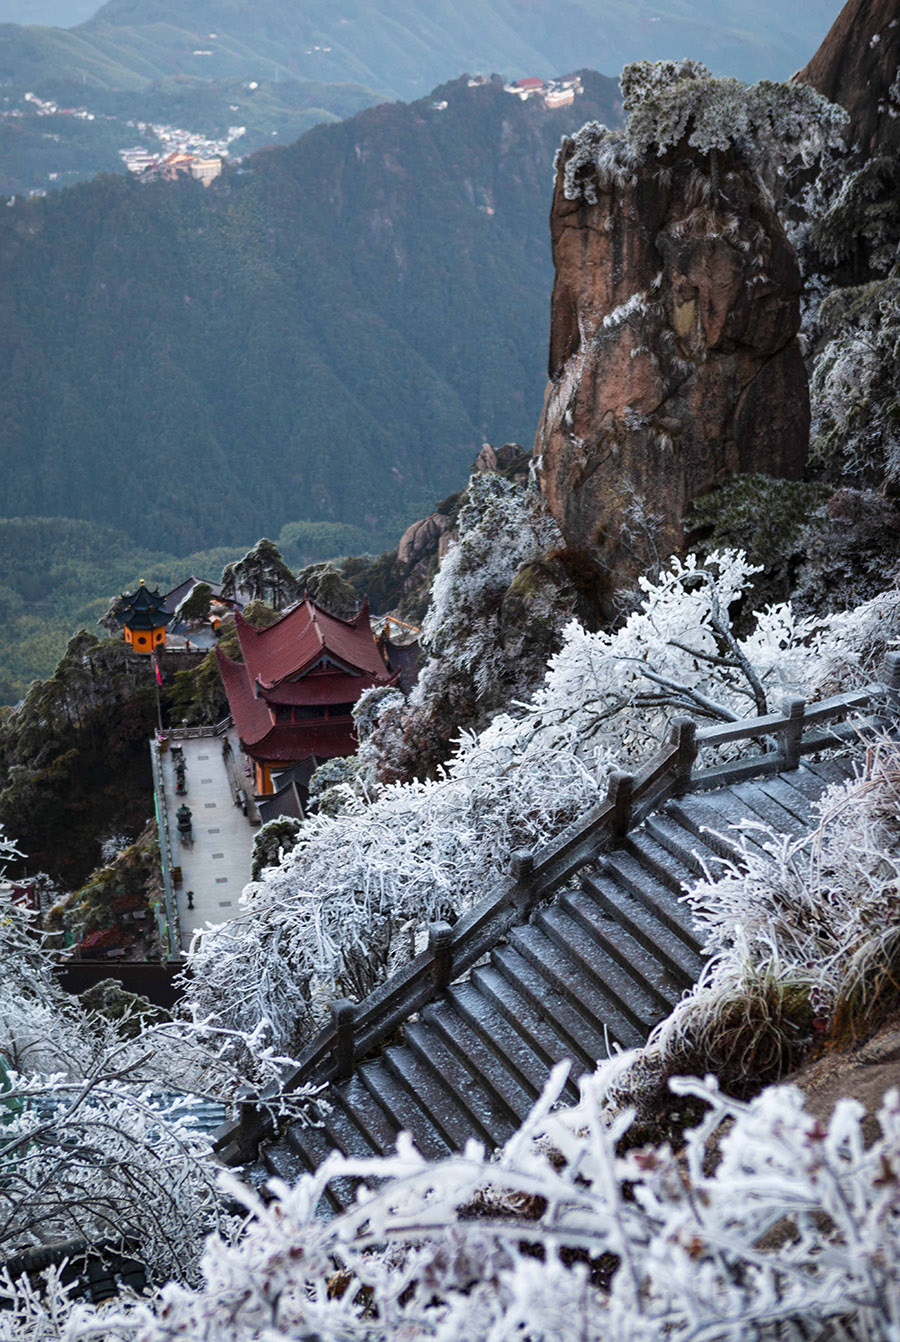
x=405 y=46
x=328 y=334
x=278 y=67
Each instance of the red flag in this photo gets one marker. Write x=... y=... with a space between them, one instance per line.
x=158 y=676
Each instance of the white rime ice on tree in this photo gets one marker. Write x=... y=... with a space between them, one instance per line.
x=856 y=411
x=86 y=1151
x=666 y=102
x=328 y=919
x=786 y=1231
x=501 y=526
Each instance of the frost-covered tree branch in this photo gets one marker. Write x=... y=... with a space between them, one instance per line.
x=767 y=1225
x=351 y=900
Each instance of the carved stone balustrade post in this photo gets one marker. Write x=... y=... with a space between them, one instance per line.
x=621 y=795
x=684 y=736
x=440 y=944
x=343 y=1013
x=792 y=732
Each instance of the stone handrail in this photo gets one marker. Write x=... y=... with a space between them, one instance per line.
x=195 y=733
x=356 y=1028
x=165 y=852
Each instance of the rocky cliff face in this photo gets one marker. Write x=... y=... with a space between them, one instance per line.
x=673 y=357
x=856 y=66
x=856 y=237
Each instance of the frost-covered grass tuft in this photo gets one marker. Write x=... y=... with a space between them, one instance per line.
x=804 y=939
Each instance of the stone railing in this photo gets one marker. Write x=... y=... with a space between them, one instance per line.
x=356 y=1028
x=172 y=931
x=196 y=733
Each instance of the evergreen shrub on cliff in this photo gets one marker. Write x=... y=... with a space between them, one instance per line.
x=672 y=103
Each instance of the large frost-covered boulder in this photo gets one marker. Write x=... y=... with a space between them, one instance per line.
x=673 y=350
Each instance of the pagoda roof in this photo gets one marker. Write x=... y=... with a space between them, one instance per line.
x=143 y=609
x=264 y=739
x=321 y=688
x=305 y=636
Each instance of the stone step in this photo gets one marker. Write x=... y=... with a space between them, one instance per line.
x=356 y=1102
x=813 y=777
x=588 y=1000
x=516 y=1053
x=629 y=994
x=716 y=823
x=484 y=1063
x=342 y=1131
x=488 y=1122
x=282 y=1161
x=692 y=851
x=658 y=881
x=536 y=1027
x=665 y=962
x=424 y=1088
x=402 y=1111
x=799 y=805
x=312 y=1146
x=582 y=1036
x=758 y=801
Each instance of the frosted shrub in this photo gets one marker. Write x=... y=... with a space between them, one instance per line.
x=95 y=1160
x=498 y=604
x=789 y=1231
x=855 y=386
x=802 y=935
x=668 y=103
x=325 y=922
x=501 y=527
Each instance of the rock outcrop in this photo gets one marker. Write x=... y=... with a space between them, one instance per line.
x=856 y=237
x=856 y=66
x=673 y=352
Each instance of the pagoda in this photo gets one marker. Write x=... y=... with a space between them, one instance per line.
x=292 y=697
x=145 y=618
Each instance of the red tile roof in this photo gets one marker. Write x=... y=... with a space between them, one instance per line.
x=320 y=688
x=291 y=647
x=296 y=641
x=323 y=738
x=251 y=715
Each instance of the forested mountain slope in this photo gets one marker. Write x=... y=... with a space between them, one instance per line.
x=328 y=333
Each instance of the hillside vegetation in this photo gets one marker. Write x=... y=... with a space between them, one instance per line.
x=60 y=574
x=56 y=149
x=328 y=334
x=277 y=68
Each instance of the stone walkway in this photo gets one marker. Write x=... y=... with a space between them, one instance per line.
x=216 y=866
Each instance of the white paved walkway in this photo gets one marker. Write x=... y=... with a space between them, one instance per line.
x=216 y=866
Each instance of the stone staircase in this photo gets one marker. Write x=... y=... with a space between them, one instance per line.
x=594 y=968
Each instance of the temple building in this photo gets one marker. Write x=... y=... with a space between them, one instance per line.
x=144 y=617
x=293 y=695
